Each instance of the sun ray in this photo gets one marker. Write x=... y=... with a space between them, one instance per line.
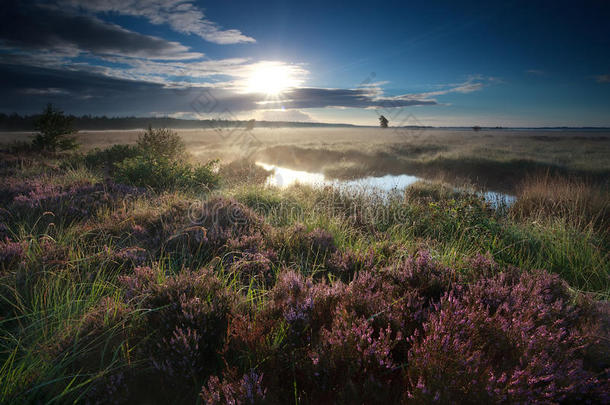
x=271 y=78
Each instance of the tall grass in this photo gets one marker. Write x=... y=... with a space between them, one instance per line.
x=306 y=284
x=579 y=203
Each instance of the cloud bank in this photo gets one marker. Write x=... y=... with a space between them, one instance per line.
x=181 y=15
x=62 y=51
x=29 y=27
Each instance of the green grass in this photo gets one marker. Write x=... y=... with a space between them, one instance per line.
x=45 y=302
x=452 y=227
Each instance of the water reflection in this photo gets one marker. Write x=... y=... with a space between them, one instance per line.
x=284 y=177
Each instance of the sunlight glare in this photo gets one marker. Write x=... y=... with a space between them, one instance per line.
x=271 y=79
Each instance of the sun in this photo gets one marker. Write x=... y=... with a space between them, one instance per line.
x=271 y=78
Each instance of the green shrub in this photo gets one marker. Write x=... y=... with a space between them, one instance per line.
x=161 y=173
x=107 y=158
x=54 y=130
x=162 y=142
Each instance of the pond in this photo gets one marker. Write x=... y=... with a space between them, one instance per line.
x=285 y=177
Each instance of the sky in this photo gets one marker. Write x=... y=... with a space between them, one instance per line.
x=441 y=63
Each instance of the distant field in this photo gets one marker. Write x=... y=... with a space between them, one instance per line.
x=499 y=159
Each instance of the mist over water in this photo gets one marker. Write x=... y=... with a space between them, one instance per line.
x=285 y=177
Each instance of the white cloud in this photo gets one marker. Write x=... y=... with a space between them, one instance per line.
x=472 y=84
x=535 y=72
x=181 y=15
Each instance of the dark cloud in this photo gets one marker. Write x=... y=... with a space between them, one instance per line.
x=26 y=89
x=28 y=26
x=306 y=97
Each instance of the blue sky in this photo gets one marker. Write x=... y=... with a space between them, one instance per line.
x=448 y=63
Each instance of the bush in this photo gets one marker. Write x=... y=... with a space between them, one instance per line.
x=187 y=318
x=162 y=142
x=509 y=339
x=247 y=390
x=107 y=158
x=72 y=202
x=243 y=172
x=54 y=130
x=161 y=173
x=10 y=253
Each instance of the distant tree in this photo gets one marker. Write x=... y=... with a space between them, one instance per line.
x=250 y=124
x=383 y=122
x=54 y=130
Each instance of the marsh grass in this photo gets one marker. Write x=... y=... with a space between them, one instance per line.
x=312 y=275
x=580 y=203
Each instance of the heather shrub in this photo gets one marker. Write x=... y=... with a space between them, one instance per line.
x=191 y=240
x=353 y=362
x=384 y=302
x=254 y=267
x=279 y=336
x=5 y=231
x=296 y=244
x=249 y=259
x=72 y=202
x=249 y=243
x=421 y=273
x=303 y=304
x=187 y=317
x=11 y=187
x=400 y=297
x=111 y=388
x=139 y=283
x=292 y=298
x=153 y=225
x=132 y=256
x=48 y=252
x=226 y=219
x=299 y=240
x=346 y=264
x=247 y=390
x=508 y=339
x=11 y=253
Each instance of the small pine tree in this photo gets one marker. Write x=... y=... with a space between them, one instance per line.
x=383 y=122
x=162 y=142
x=54 y=130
